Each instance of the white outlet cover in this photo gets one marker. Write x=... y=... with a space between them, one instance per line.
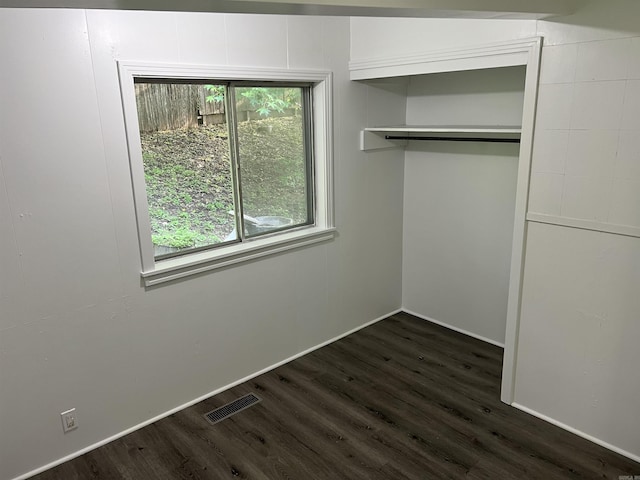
x=69 y=420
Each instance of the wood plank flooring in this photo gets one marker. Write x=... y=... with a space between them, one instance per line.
x=402 y=399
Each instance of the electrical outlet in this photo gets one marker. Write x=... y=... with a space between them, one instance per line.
x=69 y=420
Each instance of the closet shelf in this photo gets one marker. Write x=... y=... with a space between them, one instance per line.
x=375 y=138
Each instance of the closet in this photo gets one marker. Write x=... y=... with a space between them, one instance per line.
x=466 y=137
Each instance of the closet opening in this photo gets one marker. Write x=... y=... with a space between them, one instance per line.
x=465 y=128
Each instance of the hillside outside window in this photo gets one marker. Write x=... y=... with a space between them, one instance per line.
x=224 y=161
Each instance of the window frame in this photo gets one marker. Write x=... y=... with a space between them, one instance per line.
x=156 y=271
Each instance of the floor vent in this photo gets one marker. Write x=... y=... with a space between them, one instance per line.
x=232 y=408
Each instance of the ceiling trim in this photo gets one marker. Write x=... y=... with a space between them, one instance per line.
x=510 y=9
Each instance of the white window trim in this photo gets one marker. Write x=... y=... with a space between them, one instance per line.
x=155 y=272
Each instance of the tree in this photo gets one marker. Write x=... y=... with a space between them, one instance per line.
x=263 y=99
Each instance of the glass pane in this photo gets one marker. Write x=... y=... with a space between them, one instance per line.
x=185 y=151
x=272 y=156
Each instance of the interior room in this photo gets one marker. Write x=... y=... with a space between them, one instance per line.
x=472 y=178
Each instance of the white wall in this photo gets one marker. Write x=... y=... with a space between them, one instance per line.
x=580 y=307
x=390 y=37
x=458 y=199
x=459 y=202
x=579 y=302
x=585 y=161
x=76 y=327
x=578 y=355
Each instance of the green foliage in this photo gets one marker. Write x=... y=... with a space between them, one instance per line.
x=159 y=214
x=273 y=169
x=180 y=238
x=216 y=206
x=184 y=230
x=263 y=99
x=189 y=182
x=185 y=170
x=216 y=93
x=268 y=99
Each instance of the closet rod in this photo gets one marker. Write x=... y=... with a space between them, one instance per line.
x=453 y=139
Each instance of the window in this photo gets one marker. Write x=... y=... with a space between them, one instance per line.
x=224 y=162
x=227 y=165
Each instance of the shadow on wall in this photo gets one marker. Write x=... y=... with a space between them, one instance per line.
x=466 y=148
x=474 y=81
x=603 y=15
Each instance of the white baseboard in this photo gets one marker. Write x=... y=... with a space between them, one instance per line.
x=197 y=400
x=586 y=436
x=455 y=329
x=309 y=350
x=602 y=443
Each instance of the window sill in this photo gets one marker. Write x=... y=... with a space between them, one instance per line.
x=194 y=264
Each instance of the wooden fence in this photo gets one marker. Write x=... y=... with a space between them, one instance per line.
x=170 y=106
x=167 y=106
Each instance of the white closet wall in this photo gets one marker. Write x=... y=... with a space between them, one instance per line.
x=459 y=201
x=576 y=364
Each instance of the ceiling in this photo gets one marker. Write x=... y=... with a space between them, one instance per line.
x=512 y=9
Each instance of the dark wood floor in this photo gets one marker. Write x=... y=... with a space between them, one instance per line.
x=400 y=399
